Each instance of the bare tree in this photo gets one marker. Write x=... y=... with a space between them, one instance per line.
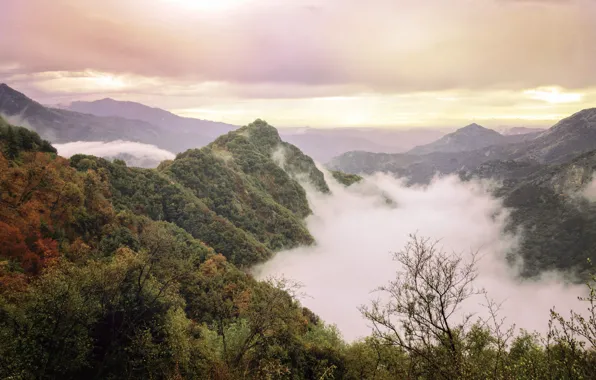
x=501 y=332
x=421 y=309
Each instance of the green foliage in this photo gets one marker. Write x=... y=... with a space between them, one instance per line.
x=250 y=177
x=16 y=139
x=114 y=272
x=241 y=199
x=345 y=178
x=148 y=192
x=557 y=223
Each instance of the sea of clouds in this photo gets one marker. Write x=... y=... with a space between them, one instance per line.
x=134 y=153
x=357 y=229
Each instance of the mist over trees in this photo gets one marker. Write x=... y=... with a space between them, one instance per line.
x=113 y=272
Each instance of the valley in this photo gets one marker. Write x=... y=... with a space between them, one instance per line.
x=297 y=190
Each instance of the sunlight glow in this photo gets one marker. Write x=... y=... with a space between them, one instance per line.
x=206 y=5
x=553 y=95
x=88 y=81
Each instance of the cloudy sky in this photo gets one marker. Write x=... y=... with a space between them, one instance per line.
x=390 y=63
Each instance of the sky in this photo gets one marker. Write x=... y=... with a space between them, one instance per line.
x=319 y=63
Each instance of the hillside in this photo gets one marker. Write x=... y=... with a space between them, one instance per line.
x=133 y=256
x=108 y=271
x=471 y=137
x=568 y=138
x=61 y=126
x=556 y=222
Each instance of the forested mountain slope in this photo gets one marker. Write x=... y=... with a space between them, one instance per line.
x=557 y=223
x=230 y=194
x=540 y=180
x=114 y=272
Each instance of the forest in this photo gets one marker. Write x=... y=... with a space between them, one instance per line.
x=114 y=272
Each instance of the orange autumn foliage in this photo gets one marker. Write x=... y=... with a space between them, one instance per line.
x=40 y=195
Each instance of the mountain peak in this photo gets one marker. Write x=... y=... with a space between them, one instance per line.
x=475 y=128
x=263 y=134
x=13 y=102
x=107 y=100
x=470 y=137
x=6 y=89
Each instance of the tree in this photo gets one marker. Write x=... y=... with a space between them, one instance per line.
x=571 y=341
x=12 y=143
x=422 y=310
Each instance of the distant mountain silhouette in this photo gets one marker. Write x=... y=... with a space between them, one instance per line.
x=321 y=144
x=109 y=119
x=59 y=126
x=156 y=116
x=563 y=142
x=468 y=138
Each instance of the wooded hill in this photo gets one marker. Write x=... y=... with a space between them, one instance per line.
x=112 y=272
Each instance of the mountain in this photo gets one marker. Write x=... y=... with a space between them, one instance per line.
x=417 y=168
x=233 y=186
x=568 y=138
x=62 y=126
x=143 y=271
x=108 y=271
x=325 y=144
x=108 y=120
x=471 y=137
x=320 y=144
x=557 y=222
x=208 y=130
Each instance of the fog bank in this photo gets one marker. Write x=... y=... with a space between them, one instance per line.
x=357 y=231
x=134 y=153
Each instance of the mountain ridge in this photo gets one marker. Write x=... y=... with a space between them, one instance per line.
x=562 y=142
x=158 y=116
x=64 y=125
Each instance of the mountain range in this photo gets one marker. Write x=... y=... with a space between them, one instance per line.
x=469 y=147
x=540 y=178
x=108 y=269
x=150 y=126
x=108 y=120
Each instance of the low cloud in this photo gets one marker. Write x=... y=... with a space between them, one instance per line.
x=357 y=230
x=134 y=153
x=589 y=192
